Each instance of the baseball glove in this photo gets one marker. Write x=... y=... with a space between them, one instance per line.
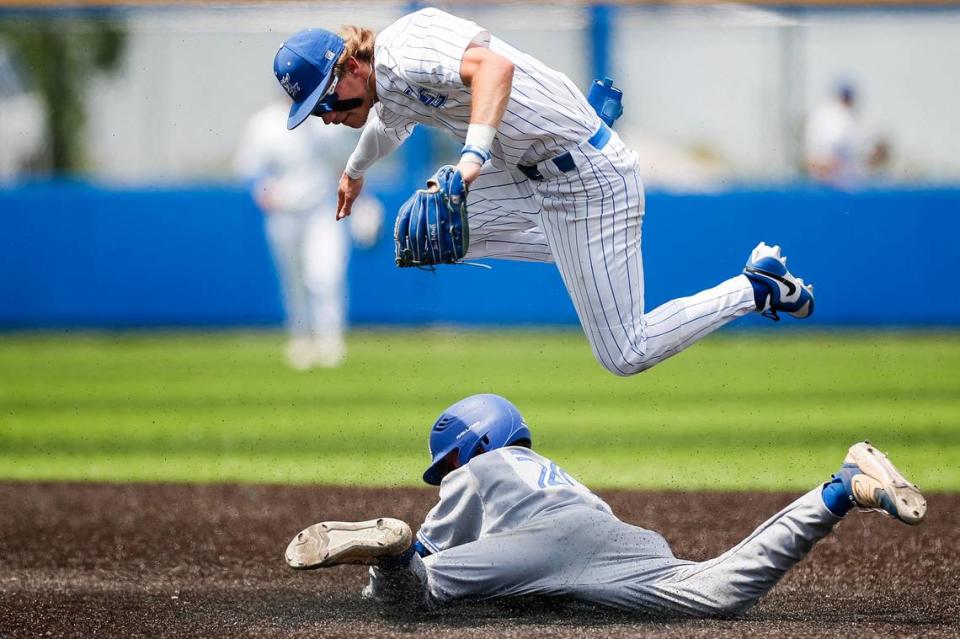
x=431 y=227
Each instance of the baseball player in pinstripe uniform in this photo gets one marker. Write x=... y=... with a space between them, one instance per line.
x=548 y=180
x=510 y=522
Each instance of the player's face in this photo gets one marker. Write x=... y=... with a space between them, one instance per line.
x=451 y=462
x=354 y=96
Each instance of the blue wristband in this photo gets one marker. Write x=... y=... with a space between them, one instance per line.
x=477 y=151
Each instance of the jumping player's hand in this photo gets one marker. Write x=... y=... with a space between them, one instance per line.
x=469 y=171
x=347 y=192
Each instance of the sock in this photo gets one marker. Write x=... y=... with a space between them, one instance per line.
x=392 y=562
x=837 y=494
x=760 y=293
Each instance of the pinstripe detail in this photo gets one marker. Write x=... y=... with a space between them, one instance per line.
x=425 y=49
x=636 y=309
x=583 y=299
x=603 y=198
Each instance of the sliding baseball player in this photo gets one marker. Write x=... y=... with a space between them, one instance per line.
x=511 y=522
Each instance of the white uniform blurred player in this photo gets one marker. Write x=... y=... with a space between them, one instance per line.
x=835 y=145
x=548 y=180
x=293 y=176
x=838 y=150
x=510 y=522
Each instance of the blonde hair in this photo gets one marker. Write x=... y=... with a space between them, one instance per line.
x=358 y=43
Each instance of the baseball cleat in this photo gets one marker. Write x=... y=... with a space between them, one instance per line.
x=876 y=484
x=787 y=293
x=340 y=542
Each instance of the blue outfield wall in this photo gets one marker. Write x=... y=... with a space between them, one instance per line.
x=78 y=255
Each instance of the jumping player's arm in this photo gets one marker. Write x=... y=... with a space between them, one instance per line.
x=376 y=142
x=439 y=52
x=490 y=76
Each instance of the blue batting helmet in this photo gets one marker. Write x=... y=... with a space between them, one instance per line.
x=304 y=68
x=472 y=426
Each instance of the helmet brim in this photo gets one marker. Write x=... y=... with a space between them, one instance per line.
x=434 y=474
x=300 y=111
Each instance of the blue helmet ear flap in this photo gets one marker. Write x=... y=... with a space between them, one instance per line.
x=472 y=426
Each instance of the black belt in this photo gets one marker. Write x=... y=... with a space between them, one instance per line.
x=564 y=161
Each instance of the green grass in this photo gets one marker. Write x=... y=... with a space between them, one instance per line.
x=741 y=410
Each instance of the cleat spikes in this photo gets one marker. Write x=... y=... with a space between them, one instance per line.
x=336 y=542
x=880 y=486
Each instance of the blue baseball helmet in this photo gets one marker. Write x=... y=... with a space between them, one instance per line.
x=304 y=68
x=472 y=426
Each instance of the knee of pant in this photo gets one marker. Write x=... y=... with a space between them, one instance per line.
x=735 y=606
x=622 y=366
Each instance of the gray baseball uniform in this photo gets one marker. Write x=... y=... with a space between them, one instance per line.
x=512 y=523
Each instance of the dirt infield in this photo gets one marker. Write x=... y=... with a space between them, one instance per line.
x=190 y=561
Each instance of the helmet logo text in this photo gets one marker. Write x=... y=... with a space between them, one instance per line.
x=292 y=88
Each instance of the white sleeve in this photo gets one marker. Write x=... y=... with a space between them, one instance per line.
x=376 y=142
x=458 y=517
x=432 y=51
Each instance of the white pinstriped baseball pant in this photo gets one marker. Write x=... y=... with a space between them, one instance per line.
x=588 y=222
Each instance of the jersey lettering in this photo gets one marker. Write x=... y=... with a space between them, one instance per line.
x=435 y=100
x=549 y=475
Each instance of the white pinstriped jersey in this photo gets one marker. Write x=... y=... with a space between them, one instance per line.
x=581 y=208
x=418 y=80
x=500 y=491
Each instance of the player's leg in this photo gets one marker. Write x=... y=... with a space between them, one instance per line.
x=504 y=218
x=766 y=286
x=285 y=236
x=325 y=255
x=679 y=323
x=592 y=219
x=733 y=582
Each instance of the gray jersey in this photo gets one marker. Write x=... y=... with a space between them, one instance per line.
x=501 y=491
x=512 y=523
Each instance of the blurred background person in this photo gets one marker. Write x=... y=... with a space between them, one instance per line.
x=838 y=150
x=293 y=179
x=22 y=116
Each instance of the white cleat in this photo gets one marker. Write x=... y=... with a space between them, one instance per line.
x=332 y=543
x=880 y=486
